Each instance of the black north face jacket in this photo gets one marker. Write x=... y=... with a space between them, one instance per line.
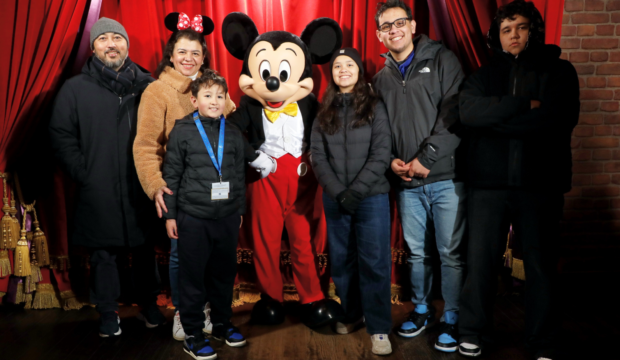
x=423 y=108
x=510 y=144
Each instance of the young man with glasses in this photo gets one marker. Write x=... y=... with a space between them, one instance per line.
x=419 y=85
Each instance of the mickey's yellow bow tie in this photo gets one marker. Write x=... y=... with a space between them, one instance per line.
x=290 y=110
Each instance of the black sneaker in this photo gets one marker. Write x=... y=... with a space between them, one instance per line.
x=446 y=342
x=109 y=324
x=415 y=323
x=151 y=316
x=198 y=347
x=228 y=333
x=470 y=349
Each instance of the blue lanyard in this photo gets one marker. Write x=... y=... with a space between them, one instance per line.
x=220 y=146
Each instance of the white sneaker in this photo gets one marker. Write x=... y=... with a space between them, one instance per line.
x=381 y=344
x=469 y=349
x=344 y=329
x=208 y=329
x=177 y=329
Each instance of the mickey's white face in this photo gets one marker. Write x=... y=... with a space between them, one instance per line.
x=275 y=75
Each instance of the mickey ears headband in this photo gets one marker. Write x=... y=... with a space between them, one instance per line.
x=180 y=21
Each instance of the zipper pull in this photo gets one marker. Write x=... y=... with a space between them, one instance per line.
x=404 y=87
x=120 y=100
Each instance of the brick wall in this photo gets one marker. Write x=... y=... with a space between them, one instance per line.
x=591 y=41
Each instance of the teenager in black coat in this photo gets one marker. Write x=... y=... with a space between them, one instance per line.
x=521 y=110
x=351 y=144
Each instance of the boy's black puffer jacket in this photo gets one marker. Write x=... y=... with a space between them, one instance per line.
x=189 y=171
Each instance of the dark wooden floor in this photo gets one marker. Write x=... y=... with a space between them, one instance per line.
x=57 y=334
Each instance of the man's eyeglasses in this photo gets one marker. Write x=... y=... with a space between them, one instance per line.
x=387 y=26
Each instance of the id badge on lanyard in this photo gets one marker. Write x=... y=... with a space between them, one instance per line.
x=219 y=191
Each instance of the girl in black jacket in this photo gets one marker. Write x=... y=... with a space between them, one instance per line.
x=351 y=144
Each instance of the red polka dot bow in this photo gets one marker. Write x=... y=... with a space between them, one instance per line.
x=185 y=23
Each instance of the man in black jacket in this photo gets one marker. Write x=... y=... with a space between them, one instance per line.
x=521 y=109
x=419 y=86
x=92 y=130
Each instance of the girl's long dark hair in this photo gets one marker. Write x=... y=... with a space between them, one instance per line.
x=364 y=101
x=190 y=35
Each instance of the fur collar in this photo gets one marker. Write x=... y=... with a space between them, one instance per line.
x=176 y=80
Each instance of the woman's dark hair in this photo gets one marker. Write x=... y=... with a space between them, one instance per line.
x=190 y=35
x=383 y=6
x=364 y=101
x=510 y=11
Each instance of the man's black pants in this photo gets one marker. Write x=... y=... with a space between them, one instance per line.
x=535 y=218
x=105 y=285
x=207 y=266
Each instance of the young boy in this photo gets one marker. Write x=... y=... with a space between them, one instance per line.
x=205 y=170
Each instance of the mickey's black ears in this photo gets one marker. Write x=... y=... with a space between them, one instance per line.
x=171 y=20
x=323 y=36
x=238 y=31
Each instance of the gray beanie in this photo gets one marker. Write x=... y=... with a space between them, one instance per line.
x=105 y=25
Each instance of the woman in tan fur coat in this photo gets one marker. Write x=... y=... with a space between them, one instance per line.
x=163 y=102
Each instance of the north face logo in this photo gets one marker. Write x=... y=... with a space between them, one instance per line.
x=425 y=70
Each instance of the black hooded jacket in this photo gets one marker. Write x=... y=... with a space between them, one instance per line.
x=510 y=144
x=92 y=130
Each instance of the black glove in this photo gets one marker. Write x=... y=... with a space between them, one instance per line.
x=348 y=201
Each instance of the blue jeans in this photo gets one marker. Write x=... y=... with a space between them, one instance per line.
x=437 y=208
x=173 y=271
x=361 y=262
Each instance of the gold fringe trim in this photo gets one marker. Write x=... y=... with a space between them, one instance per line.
x=60 y=262
x=5 y=263
x=245 y=256
x=19 y=295
x=396 y=294
x=518 y=270
x=28 y=301
x=31 y=280
x=45 y=297
x=331 y=293
x=285 y=257
x=399 y=256
x=322 y=260
x=69 y=301
x=245 y=293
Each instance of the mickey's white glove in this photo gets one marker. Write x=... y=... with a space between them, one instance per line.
x=264 y=164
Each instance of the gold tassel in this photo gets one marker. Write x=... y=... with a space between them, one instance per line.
x=331 y=293
x=6 y=222
x=69 y=301
x=16 y=227
x=19 y=295
x=518 y=270
x=21 y=261
x=28 y=301
x=396 y=294
x=40 y=242
x=45 y=297
x=5 y=263
x=2 y=293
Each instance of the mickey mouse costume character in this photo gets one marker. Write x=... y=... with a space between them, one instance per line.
x=277 y=114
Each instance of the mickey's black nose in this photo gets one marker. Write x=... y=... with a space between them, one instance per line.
x=273 y=84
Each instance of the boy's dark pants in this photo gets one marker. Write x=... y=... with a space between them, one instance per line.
x=535 y=217
x=207 y=265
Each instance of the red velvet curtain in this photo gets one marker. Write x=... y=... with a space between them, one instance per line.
x=39 y=36
x=471 y=21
